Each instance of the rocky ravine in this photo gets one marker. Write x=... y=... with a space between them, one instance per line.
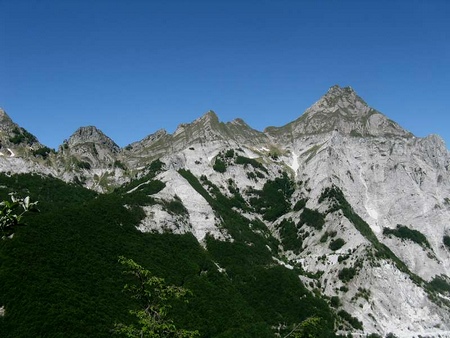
x=380 y=176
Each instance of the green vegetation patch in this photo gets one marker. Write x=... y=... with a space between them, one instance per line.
x=82 y=165
x=312 y=218
x=347 y=274
x=273 y=200
x=21 y=135
x=354 y=322
x=223 y=160
x=219 y=165
x=145 y=185
x=176 y=206
x=289 y=236
x=245 y=161
x=60 y=277
x=336 y=244
x=441 y=283
x=404 y=232
x=43 y=152
x=300 y=204
x=446 y=241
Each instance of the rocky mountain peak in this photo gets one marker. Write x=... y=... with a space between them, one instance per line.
x=15 y=137
x=210 y=116
x=91 y=134
x=4 y=118
x=209 y=120
x=342 y=110
x=6 y=123
x=345 y=101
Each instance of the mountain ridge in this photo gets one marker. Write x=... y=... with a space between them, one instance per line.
x=343 y=194
x=331 y=102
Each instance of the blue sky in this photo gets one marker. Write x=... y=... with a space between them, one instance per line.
x=133 y=67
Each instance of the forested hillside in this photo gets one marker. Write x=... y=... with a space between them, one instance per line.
x=60 y=275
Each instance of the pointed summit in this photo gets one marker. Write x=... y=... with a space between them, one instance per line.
x=15 y=137
x=4 y=118
x=342 y=110
x=89 y=148
x=342 y=100
x=91 y=134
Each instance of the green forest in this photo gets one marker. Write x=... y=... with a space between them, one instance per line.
x=60 y=274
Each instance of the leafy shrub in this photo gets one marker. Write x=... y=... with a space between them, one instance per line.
x=155 y=167
x=11 y=213
x=272 y=201
x=289 y=236
x=120 y=165
x=43 y=152
x=374 y=335
x=312 y=218
x=176 y=206
x=351 y=320
x=335 y=301
x=336 y=244
x=446 y=241
x=229 y=153
x=300 y=204
x=219 y=165
x=324 y=237
x=83 y=165
x=250 y=161
x=251 y=175
x=22 y=136
x=440 y=283
x=346 y=274
x=155 y=296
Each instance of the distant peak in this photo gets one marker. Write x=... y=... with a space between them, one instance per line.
x=210 y=115
x=337 y=90
x=341 y=109
x=88 y=130
x=208 y=119
x=4 y=117
x=91 y=134
x=342 y=98
x=239 y=121
x=88 y=134
x=343 y=93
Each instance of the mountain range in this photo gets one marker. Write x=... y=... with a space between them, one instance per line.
x=344 y=199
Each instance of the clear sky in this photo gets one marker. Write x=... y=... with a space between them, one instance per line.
x=133 y=67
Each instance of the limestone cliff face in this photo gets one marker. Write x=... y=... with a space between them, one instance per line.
x=90 y=144
x=15 y=140
x=92 y=159
x=342 y=110
x=387 y=176
x=205 y=130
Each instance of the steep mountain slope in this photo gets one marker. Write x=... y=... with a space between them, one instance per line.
x=344 y=198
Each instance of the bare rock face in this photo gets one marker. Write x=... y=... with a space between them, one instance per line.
x=342 y=110
x=205 y=130
x=91 y=158
x=382 y=195
x=91 y=134
x=15 y=140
